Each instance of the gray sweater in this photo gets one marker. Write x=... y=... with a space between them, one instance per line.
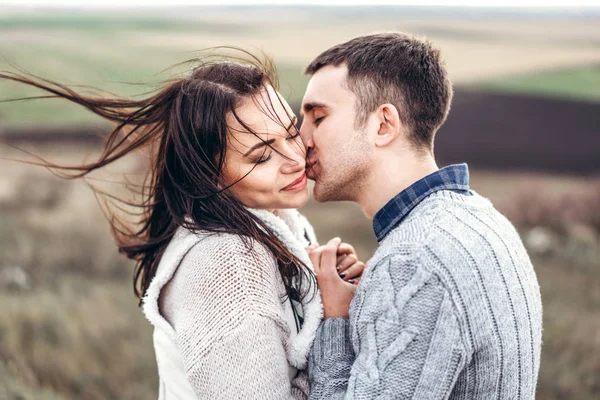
x=448 y=308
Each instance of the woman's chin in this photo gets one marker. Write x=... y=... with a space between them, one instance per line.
x=296 y=199
x=283 y=201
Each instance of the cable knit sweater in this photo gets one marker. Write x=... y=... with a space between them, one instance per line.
x=449 y=308
x=221 y=328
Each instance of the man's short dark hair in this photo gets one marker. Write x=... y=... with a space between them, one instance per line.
x=395 y=68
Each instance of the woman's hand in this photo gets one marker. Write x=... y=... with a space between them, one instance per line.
x=336 y=293
x=348 y=266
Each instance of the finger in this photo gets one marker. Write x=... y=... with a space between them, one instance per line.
x=345 y=248
x=354 y=281
x=312 y=247
x=340 y=258
x=354 y=271
x=346 y=262
x=315 y=259
x=328 y=256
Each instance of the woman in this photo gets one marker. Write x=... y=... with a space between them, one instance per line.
x=222 y=268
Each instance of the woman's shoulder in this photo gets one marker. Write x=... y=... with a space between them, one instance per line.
x=224 y=262
x=227 y=250
x=226 y=275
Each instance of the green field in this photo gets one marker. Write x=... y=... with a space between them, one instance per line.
x=112 y=67
x=105 y=49
x=575 y=83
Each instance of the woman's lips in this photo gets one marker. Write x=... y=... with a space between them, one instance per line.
x=297 y=185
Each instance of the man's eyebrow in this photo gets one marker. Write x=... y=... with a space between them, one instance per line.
x=259 y=145
x=308 y=107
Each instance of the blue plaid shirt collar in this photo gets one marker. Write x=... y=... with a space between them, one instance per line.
x=453 y=177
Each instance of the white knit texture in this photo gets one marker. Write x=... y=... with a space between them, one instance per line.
x=223 y=315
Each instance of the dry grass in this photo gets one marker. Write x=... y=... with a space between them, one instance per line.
x=77 y=332
x=538 y=199
x=83 y=338
x=467 y=60
x=571 y=349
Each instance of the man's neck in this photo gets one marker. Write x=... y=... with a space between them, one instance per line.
x=390 y=178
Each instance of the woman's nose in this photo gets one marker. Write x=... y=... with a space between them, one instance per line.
x=296 y=159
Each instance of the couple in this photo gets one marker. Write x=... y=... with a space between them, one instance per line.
x=449 y=306
x=245 y=303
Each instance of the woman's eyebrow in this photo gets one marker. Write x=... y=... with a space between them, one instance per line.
x=259 y=145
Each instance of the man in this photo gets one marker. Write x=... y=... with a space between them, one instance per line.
x=449 y=305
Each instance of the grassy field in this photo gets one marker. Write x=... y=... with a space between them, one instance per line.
x=576 y=83
x=74 y=331
x=105 y=50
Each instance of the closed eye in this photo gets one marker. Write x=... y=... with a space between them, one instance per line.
x=317 y=121
x=264 y=159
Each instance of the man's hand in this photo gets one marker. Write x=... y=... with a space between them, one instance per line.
x=336 y=293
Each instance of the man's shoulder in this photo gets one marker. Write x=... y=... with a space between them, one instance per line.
x=443 y=227
x=416 y=231
x=451 y=214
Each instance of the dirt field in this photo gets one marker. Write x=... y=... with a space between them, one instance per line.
x=488 y=130
x=521 y=132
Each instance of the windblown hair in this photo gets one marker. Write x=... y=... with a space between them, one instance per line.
x=183 y=127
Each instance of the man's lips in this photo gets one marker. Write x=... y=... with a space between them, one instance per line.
x=298 y=184
x=310 y=172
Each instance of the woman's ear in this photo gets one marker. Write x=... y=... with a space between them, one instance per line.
x=389 y=125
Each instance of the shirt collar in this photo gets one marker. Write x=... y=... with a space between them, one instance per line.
x=453 y=177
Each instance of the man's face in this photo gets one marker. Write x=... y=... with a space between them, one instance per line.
x=338 y=155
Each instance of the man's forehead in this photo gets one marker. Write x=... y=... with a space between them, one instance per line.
x=325 y=88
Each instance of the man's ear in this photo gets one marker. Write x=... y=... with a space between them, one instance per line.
x=389 y=124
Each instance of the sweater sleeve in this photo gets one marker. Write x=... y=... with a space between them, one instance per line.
x=248 y=363
x=225 y=307
x=406 y=336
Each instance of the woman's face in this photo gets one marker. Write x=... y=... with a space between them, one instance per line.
x=277 y=180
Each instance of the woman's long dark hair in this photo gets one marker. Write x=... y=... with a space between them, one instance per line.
x=183 y=127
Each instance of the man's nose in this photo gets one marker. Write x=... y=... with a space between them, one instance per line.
x=306 y=136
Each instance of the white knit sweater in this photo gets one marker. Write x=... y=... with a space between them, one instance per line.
x=221 y=328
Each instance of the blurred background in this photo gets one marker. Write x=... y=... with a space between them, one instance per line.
x=526 y=117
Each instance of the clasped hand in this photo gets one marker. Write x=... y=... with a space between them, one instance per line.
x=338 y=271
